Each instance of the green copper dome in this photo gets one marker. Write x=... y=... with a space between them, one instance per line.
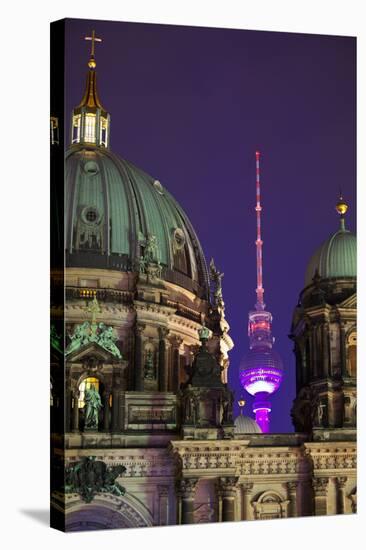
x=335 y=258
x=112 y=209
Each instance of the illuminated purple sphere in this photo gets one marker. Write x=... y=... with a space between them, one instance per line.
x=261 y=371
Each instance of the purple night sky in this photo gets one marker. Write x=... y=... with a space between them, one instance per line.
x=191 y=105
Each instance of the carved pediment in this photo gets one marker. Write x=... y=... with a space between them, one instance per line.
x=98 y=334
x=349 y=303
x=93 y=350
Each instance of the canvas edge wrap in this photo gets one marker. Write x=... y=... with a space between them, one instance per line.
x=57 y=328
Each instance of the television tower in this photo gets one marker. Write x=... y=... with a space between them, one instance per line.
x=261 y=371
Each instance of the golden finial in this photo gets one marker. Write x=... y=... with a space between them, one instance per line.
x=341 y=205
x=92 y=64
x=241 y=404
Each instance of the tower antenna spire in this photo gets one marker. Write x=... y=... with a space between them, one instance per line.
x=260 y=305
x=261 y=371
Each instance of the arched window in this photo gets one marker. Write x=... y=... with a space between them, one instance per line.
x=85 y=385
x=352 y=355
x=270 y=505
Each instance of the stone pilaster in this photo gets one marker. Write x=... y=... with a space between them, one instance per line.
x=75 y=411
x=340 y=485
x=68 y=401
x=139 y=368
x=342 y=343
x=164 y=359
x=314 y=350
x=173 y=383
x=292 y=496
x=320 y=486
x=247 y=492
x=326 y=350
x=186 y=489
x=227 y=492
x=115 y=409
x=163 y=495
x=106 y=415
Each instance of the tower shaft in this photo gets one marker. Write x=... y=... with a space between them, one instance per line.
x=259 y=243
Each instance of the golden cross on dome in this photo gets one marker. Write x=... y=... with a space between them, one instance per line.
x=93 y=39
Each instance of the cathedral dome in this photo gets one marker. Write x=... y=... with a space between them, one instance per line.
x=246 y=425
x=113 y=208
x=335 y=258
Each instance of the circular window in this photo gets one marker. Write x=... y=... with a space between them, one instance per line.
x=90 y=215
x=91 y=167
x=158 y=187
x=179 y=238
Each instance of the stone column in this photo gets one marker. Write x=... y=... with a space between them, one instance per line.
x=139 y=368
x=227 y=491
x=325 y=341
x=106 y=415
x=186 y=489
x=75 y=412
x=163 y=494
x=247 y=491
x=173 y=384
x=342 y=343
x=164 y=359
x=292 y=496
x=340 y=485
x=320 y=486
x=115 y=409
x=68 y=409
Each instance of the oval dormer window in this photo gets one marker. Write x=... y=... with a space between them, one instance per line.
x=91 y=215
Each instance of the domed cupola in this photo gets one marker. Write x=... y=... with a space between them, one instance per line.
x=245 y=424
x=336 y=258
x=117 y=216
x=90 y=121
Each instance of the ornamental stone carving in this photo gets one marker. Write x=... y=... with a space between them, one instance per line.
x=89 y=476
x=186 y=488
x=320 y=486
x=89 y=333
x=227 y=486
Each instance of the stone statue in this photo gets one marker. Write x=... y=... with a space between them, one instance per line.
x=151 y=249
x=90 y=476
x=301 y=412
x=92 y=405
x=79 y=337
x=107 y=339
x=56 y=340
x=142 y=264
x=227 y=408
x=148 y=263
x=216 y=277
x=149 y=371
x=88 y=333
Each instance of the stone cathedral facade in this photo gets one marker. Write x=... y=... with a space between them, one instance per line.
x=143 y=333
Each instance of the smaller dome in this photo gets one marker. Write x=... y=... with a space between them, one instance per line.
x=335 y=258
x=246 y=425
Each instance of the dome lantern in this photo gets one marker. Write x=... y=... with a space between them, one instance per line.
x=90 y=121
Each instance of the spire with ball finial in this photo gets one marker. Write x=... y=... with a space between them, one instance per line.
x=341 y=208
